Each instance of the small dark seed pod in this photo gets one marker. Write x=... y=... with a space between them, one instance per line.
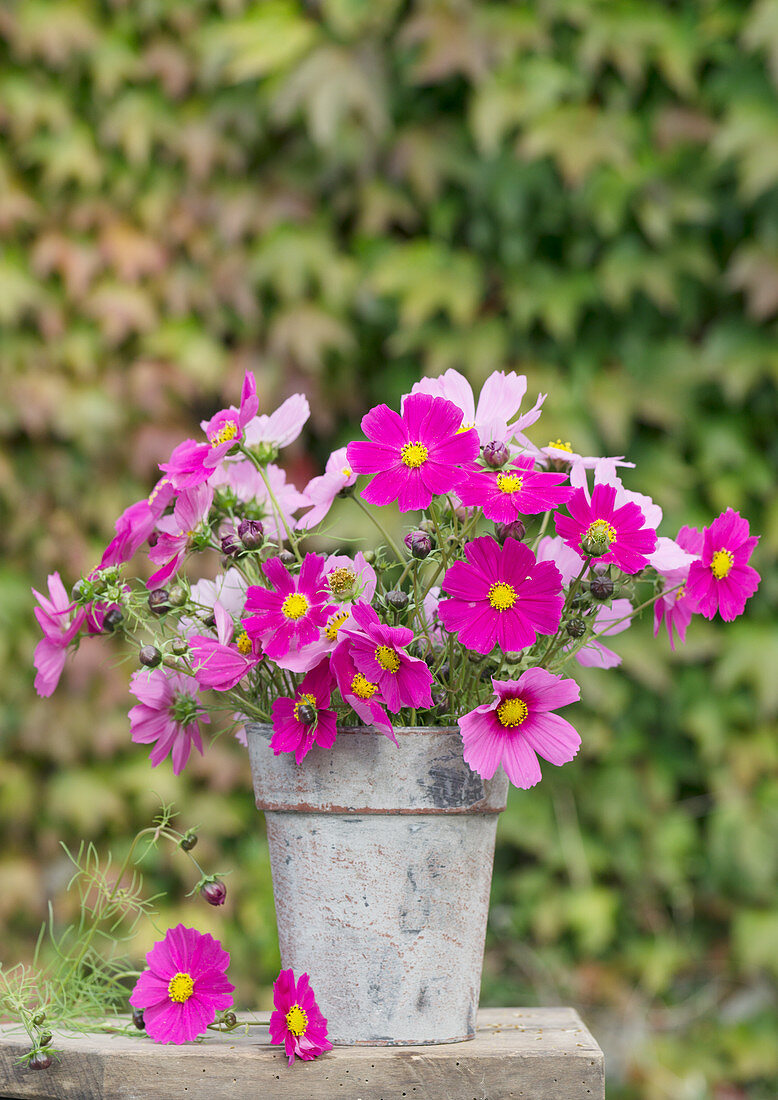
x=39 y=1019
x=601 y=587
x=229 y=1019
x=149 y=656
x=397 y=599
x=306 y=713
x=45 y=1038
x=159 y=601
x=287 y=557
x=113 y=619
x=188 y=841
x=137 y=1019
x=576 y=628
x=39 y=1060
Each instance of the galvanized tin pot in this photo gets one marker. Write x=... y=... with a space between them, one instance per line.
x=382 y=858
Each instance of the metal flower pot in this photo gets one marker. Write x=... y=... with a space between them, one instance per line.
x=382 y=865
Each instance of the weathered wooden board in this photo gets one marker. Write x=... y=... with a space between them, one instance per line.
x=527 y=1054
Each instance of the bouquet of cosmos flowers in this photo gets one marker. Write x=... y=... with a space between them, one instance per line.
x=468 y=611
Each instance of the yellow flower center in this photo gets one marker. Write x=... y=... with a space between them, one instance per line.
x=680 y=593
x=601 y=530
x=243 y=642
x=227 y=432
x=721 y=564
x=297 y=1020
x=180 y=988
x=387 y=658
x=334 y=625
x=559 y=445
x=512 y=712
x=341 y=580
x=509 y=483
x=502 y=596
x=362 y=687
x=294 y=606
x=305 y=700
x=414 y=454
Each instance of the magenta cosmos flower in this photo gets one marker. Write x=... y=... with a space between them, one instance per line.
x=518 y=490
x=297 y=1021
x=221 y=662
x=184 y=986
x=722 y=580
x=321 y=491
x=415 y=455
x=168 y=713
x=620 y=530
x=518 y=724
x=192 y=463
x=301 y=722
x=60 y=622
x=362 y=695
x=379 y=653
x=290 y=614
x=136 y=524
x=501 y=596
x=191 y=511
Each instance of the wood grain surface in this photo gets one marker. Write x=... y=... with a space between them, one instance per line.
x=529 y=1053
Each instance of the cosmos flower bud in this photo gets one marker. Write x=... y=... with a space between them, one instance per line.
x=287 y=557
x=251 y=533
x=230 y=1020
x=306 y=714
x=576 y=628
x=231 y=544
x=159 y=601
x=177 y=595
x=514 y=530
x=180 y=646
x=428 y=526
x=39 y=1019
x=188 y=840
x=113 y=619
x=77 y=591
x=214 y=892
x=39 y=1060
x=495 y=454
x=137 y=1019
x=397 y=599
x=45 y=1038
x=149 y=656
x=601 y=587
x=419 y=543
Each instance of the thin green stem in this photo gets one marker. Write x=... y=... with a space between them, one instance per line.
x=390 y=541
x=276 y=506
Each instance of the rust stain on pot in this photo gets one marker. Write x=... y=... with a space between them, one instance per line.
x=381 y=858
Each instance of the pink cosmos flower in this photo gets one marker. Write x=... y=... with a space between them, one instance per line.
x=292 y=731
x=362 y=695
x=60 y=621
x=136 y=524
x=621 y=529
x=184 y=986
x=321 y=491
x=223 y=662
x=243 y=478
x=414 y=455
x=674 y=607
x=290 y=614
x=379 y=653
x=297 y=1021
x=191 y=511
x=168 y=713
x=722 y=580
x=193 y=463
x=519 y=723
x=501 y=596
x=561 y=451
x=518 y=490
x=282 y=427
x=499 y=401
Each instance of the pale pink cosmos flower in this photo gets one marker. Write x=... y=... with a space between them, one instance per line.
x=281 y=427
x=518 y=724
x=498 y=402
x=561 y=451
x=167 y=716
x=184 y=986
x=191 y=511
x=321 y=491
x=243 y=478
x=674 y=608
x=223 y=662
x=60 y=621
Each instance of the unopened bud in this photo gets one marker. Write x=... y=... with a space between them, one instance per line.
x=601 y=587
x=39 y=1019
x=149 y=656
x=77 y=591
x=397 y=599
x=513 y=657
x=230 y=1020
x=113 y=619
x=251 y=533
x=444 y=672
x=495 y=454
x=306 y=714
x=180 y=646
x=287 y=557
x=177 y=596
x=231 y=544
x=45 y=1038
x=427 y=525
x=514 y=530
x=214 y=892
x=419 y=543
x=137 y=1019
x=39 y=1060
x=159 y=601
x=369 y=556
x=188 y=840
x=576 y=628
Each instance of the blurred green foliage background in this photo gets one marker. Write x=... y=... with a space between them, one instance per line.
x=339 y=195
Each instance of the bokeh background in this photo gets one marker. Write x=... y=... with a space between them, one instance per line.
x=341 y=195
